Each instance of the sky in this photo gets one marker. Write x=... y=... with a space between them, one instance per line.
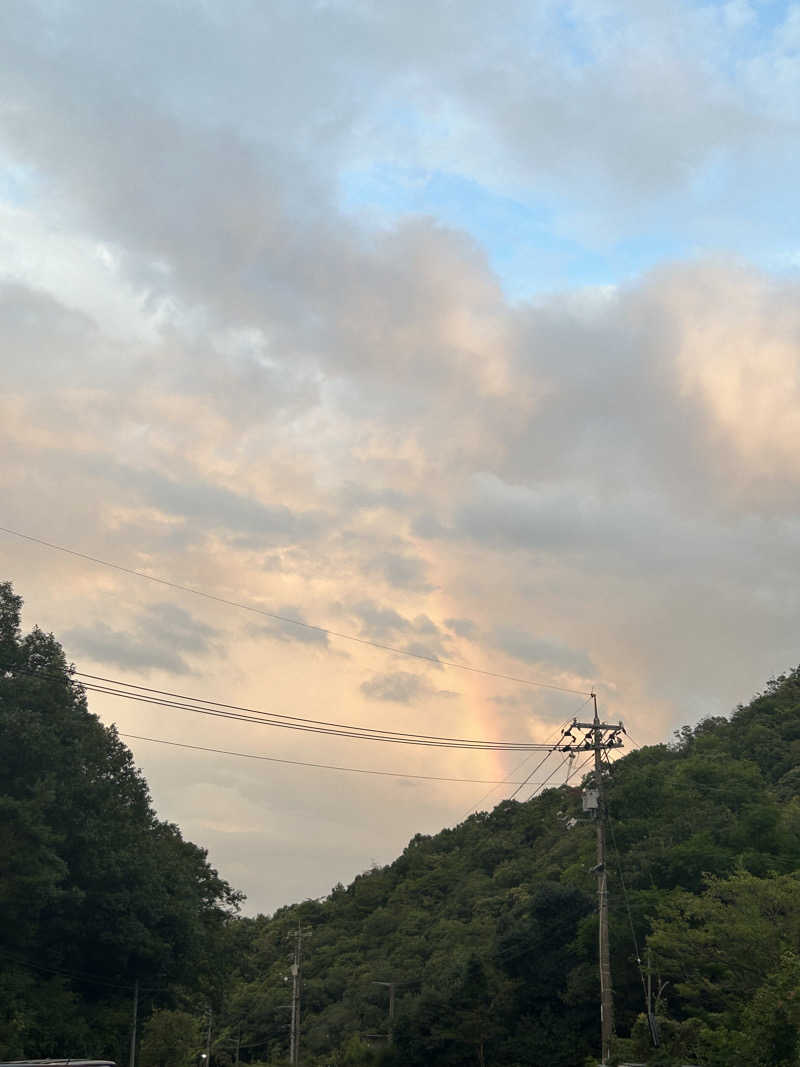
x=471 y=330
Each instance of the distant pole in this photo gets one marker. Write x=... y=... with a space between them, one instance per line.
x=293 y=1032
x=652 y=1020
x=606 y=998
x=238 y=1042
x=391 y=986
x=297 y=966
x=132 y=1061
x=208 y=1040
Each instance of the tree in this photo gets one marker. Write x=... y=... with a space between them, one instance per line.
x=171 y=1039
x=95 y=891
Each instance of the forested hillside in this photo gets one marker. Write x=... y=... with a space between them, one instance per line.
x=487 y=930
x=490 y=932
x=95 y=892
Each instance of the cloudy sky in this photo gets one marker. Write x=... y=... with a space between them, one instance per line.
x=467 y=329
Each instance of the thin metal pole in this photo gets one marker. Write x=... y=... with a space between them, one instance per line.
x=208 y=1040
x=132 y=1060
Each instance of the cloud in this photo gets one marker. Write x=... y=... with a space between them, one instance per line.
x=162 y=638
x=291 y=632
x=221 y=368
x=402 y=572
x=379 y=623
x=540 y=651
x=608 y=126
x=401 y=687
x=388 y=625
x=362 y=496
x=215 y=506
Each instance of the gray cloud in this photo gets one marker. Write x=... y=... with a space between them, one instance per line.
x=379 y=622
x=208 y=506
x=214 y=374
x=362 y=496
x=162 y=639
x=401 y=687
x=543 y=652
x=402 y=572
x=387 y=625
x=288 y=631
x=510 y=79
x=430 y=650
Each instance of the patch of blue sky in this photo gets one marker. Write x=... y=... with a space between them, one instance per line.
x=17 y=184
x=767 y=16
x=752 y=31
x=520 y=239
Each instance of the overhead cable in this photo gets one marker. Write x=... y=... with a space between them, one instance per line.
x=318 y=766
x=95 y=678
x=163 y=698
x=286 y=619
x=559 y=730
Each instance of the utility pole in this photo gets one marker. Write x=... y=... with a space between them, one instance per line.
x=297 y=975
x=208 y=1040
x=132 y=1061
x=652 y=1008
x=600 y=737
x=606 y=993
x=391 y=986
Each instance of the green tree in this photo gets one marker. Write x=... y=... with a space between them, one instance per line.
x=171 y=1039
x=95 y=891
x=771 y=1022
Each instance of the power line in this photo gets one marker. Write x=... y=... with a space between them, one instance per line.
x=198 y=709
x=541 y=785
x=81 y=976
x=317 y=766
x=161 y=698
x=285 y=619
x=535 y=769
x=279 y=715
x=538 y=765
x=559 y=729
x=538 y=789
x=507 y=781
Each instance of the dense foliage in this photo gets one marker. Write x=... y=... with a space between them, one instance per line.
x=95 y=892
x=488 y=930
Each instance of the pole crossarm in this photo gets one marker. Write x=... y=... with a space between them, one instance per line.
x=602 y=735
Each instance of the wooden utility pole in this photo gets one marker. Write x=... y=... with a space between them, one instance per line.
x=606 y=995
x=600 y=737
x=391 y=986
x=132 y=1059
x=297 y=975
x=207 y=1061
